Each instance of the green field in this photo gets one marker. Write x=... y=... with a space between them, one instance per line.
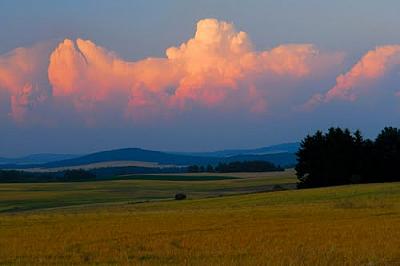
x=348 y=225
x=137 y=188
x=175 y=177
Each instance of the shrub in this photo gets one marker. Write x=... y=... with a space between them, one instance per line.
x=278 y=188
x=180 y=196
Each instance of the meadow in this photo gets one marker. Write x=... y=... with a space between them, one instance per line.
x=347 y=225
x=137 y=188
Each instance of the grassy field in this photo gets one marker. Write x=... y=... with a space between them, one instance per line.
x=348 y=225
x=137 y=188
x=173 y=177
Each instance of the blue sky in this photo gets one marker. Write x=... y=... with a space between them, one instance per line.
x=135 y=30
x=141 y=28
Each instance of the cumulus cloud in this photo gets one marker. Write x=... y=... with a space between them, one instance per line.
x=23 y=76
x=86 y=73
x=218 y=66
x=365 y=74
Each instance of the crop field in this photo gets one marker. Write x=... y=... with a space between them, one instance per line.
x=347 y=225
x=137 y=188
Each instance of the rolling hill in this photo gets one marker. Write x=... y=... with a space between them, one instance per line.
x=37 y=158
x=164 y=158
x=282 y=154
x=133 y=154
x=291 y=147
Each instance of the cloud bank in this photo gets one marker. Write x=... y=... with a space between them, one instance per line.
x=217 y=69
x=23 y=77
x=365 y=75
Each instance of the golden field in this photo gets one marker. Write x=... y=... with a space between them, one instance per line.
x=348 y=225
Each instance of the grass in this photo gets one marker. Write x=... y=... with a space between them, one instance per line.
x=174 y=177
x=30 y=196
x=348 y=225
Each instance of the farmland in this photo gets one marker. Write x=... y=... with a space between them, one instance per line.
x=137 y=188
x=347 y=225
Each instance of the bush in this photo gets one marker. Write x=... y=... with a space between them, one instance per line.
x=278 y=188
x=193 y=169
x=238 y=166
x=78 y=175
x=180 y=196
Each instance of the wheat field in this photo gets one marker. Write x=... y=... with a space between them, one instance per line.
x=349 y=225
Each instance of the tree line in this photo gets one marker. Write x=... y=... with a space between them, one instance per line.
x=15 y=176
x=245 y=166
x=340 y=157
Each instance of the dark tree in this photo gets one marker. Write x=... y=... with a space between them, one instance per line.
x=310 y=161
x=78 y=175
x=13 y=176
x=339 y=157
x=329 y=159
x=367 y=163
x=247 y=166
x=193 y=169
x=210 y=169
x=387 y=146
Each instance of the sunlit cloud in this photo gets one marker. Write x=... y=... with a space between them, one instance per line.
x=363 y=76
x=23 y=76
x=217 y=66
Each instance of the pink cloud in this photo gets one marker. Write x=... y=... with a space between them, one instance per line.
x=215 y=67
x=371 y=68
x=86 y=72
x=22 y=76
x=218 y=68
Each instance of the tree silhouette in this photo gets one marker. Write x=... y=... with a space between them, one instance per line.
x=339 y=157
x=387 y=146
x=309 y=168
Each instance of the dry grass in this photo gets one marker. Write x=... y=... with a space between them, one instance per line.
x=353 y=225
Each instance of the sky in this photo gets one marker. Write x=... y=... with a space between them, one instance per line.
x=83 y=76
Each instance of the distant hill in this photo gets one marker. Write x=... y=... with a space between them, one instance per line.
x=37 y=159
x=284 y=159
x=279 y=148
x=165 y=158
x=133 y=154
x=282 y=155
